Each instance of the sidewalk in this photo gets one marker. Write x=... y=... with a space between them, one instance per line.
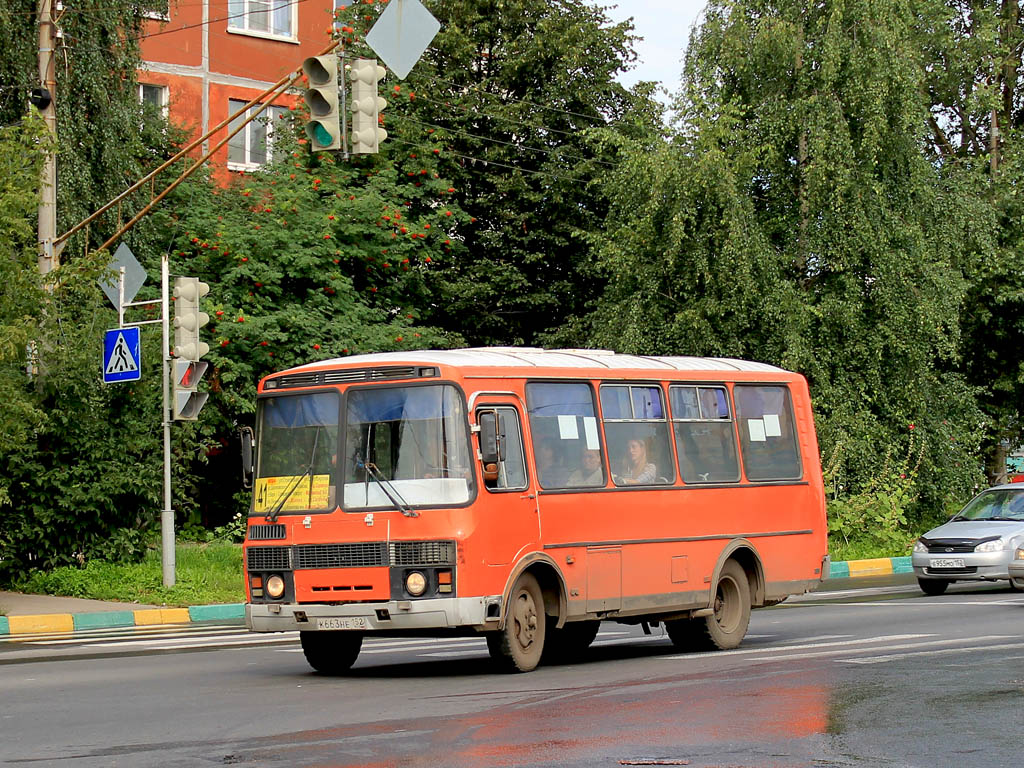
x=36 y=614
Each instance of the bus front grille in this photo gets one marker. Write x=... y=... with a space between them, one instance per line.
x=423 y=553
x=363 y=555
x=270 y=559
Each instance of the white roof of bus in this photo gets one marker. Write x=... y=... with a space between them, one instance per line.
x=532 y=357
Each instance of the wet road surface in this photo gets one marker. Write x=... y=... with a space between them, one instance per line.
x=883 y=676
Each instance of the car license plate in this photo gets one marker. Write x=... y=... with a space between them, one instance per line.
x=336 y=622
x=947 y=562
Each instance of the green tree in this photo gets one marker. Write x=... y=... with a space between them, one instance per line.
x=796 y=218
x=511 y=97
x=973 y=78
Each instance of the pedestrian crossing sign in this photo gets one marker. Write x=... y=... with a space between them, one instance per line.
x=122 y=357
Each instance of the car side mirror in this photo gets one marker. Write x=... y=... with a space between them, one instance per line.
x=248 y=441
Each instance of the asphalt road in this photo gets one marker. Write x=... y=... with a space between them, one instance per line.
x=867 y=674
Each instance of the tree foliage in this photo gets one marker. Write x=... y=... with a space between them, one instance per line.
x=796 y=218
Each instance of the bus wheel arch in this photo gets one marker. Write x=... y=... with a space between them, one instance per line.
x=744 y=553
x=550 y=580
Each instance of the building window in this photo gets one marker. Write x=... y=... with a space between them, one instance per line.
x=156 y=95
x=252 y=146
x=262 y=17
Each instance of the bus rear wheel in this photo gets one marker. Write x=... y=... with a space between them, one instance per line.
x=519 y=646
x=566 y=645
x=727 y=625
x=331 y=653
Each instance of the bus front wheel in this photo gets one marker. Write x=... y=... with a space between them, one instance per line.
x=331 y=653
x=518 y=647
x=726 y=626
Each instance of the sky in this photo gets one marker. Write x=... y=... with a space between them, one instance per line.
x=664 y=26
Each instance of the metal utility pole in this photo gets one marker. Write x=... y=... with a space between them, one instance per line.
x=45 y=100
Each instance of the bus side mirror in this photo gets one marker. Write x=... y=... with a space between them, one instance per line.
x=248 y=441
x=489 y=438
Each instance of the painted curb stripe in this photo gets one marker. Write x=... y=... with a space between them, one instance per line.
x=902 y=565
x=840 y=570
x=104 y=620
x=47 y=622
x=152 y=616
x=217 y=612
x=4 y=628
x=877 y=567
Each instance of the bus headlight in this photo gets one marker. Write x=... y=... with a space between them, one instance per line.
x=415 y=584
x=274 y=587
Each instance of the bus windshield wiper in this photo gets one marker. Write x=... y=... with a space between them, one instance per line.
x=271 y=516
x=389 y=490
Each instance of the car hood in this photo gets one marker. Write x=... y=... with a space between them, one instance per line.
x=976 y=529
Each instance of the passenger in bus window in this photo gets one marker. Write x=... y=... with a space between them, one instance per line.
x=550 y=468
x=590 y=472
x=637 y=470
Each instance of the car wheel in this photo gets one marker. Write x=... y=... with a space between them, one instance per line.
x=933 y=586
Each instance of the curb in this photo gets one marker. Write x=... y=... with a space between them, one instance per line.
x=73 y=622
x=881 y=566
x=150 y=617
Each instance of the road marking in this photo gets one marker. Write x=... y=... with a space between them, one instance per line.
x=800 y=647
x=932 y=652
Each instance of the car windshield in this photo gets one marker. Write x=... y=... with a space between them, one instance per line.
x=406 y=447
x=297 y=453
x=1005 y=504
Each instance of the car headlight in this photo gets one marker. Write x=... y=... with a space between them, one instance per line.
x=920 y=547
x=990 y=546
x=1019 y=554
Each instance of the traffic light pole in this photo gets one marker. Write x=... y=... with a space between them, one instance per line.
x=167 y=515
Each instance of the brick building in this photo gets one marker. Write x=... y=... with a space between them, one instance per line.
x=206 y=58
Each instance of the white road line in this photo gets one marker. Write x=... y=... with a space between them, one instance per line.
x=101 y=641
x=933 y=652
x=800 y=647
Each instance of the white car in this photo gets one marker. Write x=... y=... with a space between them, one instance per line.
x=979 y=543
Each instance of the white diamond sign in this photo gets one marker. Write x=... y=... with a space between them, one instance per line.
x=402 y=34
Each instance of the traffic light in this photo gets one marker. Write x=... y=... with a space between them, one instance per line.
x=188 y=401
x=324 y=126
x=187 y=369
x=367 y=134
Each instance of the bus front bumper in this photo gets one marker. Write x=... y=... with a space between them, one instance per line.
x=394 y=616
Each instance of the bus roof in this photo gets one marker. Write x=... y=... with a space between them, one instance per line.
x=533 y=357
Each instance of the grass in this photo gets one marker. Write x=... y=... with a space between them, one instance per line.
x=858 y=550
x=204 y=574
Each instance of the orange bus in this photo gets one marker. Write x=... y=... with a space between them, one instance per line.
x=527 y=495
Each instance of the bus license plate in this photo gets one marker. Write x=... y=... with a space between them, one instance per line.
x=335 y=622
x=947 y=562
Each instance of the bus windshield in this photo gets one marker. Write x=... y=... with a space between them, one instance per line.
x=406 y=446
x=297 y=453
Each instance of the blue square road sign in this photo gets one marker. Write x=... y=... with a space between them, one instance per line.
x=122 y=356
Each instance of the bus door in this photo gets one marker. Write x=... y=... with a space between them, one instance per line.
x=508 y=518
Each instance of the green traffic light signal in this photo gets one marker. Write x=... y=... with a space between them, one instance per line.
x=324 y=127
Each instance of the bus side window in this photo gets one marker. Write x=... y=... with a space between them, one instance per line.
x=705 y=438
x=511 y=470
x=767 y=435
x=637 y=432
x=563 y=425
